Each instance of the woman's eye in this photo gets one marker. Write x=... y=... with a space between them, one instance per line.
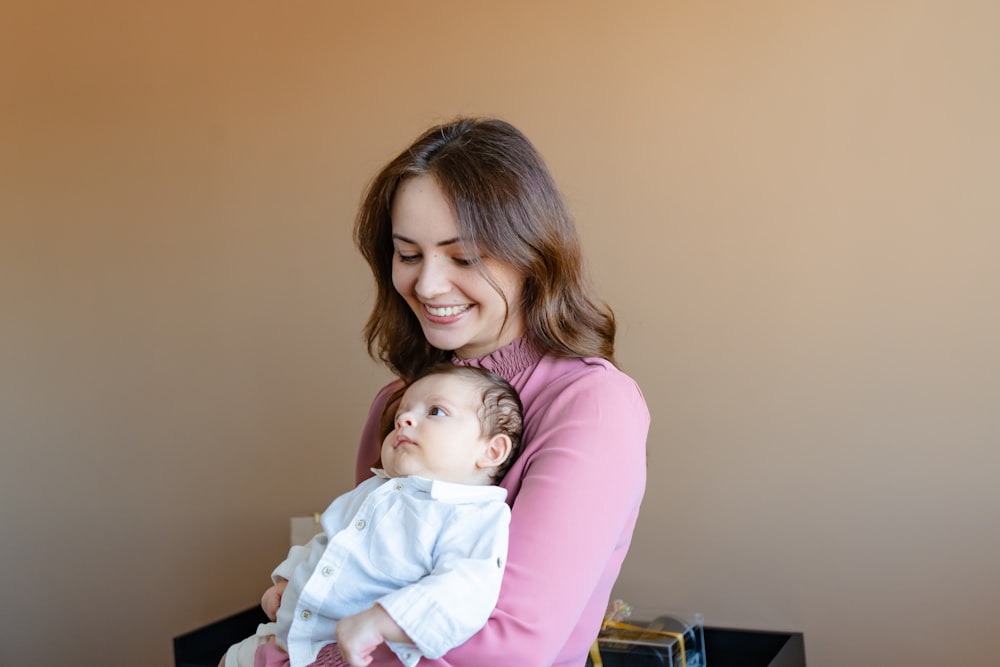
x=461 y=261
x=407 y=259
x=437 y=412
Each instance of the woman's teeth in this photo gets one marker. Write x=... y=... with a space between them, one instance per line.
x=446 y=312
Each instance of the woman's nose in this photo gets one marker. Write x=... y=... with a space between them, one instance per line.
x=432 y=280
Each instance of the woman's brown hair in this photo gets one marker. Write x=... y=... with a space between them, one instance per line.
x=509 y=208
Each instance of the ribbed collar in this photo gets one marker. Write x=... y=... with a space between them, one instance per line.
x=508 y=361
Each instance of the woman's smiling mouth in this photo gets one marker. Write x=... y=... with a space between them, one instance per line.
x=445 y=311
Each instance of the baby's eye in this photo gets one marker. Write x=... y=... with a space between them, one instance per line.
x=435 y=411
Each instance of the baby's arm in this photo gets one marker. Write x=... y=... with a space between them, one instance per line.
x=271 y=599
x=359 y=635
x=453 y=601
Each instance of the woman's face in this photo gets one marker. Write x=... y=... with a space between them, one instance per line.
x=457 y=307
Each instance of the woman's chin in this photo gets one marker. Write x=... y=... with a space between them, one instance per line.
x=442 y=340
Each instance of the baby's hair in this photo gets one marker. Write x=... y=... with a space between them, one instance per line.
x=501 y=412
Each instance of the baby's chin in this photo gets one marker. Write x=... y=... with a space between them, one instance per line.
x=399 y=470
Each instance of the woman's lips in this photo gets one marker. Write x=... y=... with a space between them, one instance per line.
x=445 y=314
x=446 y=311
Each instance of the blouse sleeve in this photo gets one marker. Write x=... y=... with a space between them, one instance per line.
x=582 y=477
x=370 y=448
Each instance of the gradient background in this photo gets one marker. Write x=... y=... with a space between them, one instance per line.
x=792 y=207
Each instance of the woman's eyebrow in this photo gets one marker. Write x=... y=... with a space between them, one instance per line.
x=400 y=237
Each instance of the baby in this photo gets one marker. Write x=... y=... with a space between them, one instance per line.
x=413 y=556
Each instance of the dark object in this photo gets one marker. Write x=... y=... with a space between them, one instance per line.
x=205 y=646
x=754 y=648
x=724 y=647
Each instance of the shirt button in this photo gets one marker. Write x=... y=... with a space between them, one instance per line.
x=306 y=614
x=360 y=524
x=327 y=571
x=398 y=487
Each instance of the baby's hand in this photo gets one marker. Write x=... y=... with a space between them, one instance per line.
x=271 y=599
x=359 y=635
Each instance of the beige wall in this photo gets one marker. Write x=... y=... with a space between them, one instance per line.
x=792 y=207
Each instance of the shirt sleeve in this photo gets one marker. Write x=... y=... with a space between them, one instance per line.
x=333 y=519
x=572 y=521
x=446 y=607
x=296 y=555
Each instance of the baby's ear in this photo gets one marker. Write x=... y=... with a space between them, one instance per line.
x=496 y=451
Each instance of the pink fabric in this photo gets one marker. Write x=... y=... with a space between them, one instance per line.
x=574 y=493
x=329 y=656
x=272 y=655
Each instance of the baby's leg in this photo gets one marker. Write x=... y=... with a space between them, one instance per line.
x=271 y=655
x=242 y=654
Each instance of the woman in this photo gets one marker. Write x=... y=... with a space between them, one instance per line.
x=476 y=260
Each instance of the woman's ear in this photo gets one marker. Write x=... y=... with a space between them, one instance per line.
x=496 y=451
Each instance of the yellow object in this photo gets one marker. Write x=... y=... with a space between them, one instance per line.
x=679 y=636
x=595 y=655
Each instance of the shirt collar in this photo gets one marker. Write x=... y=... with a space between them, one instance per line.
x=448 y=492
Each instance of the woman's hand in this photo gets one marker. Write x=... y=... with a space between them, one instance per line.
x=271 y=599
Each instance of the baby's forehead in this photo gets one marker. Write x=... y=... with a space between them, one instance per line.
x=448 y=384
x=456 y=391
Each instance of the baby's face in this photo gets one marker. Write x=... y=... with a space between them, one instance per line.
x=437 y=432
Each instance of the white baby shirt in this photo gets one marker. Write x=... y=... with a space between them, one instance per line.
x=431 y=553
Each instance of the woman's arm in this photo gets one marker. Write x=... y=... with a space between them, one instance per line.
x=370 y=450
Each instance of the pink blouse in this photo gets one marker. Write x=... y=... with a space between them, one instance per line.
x=574 y=492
